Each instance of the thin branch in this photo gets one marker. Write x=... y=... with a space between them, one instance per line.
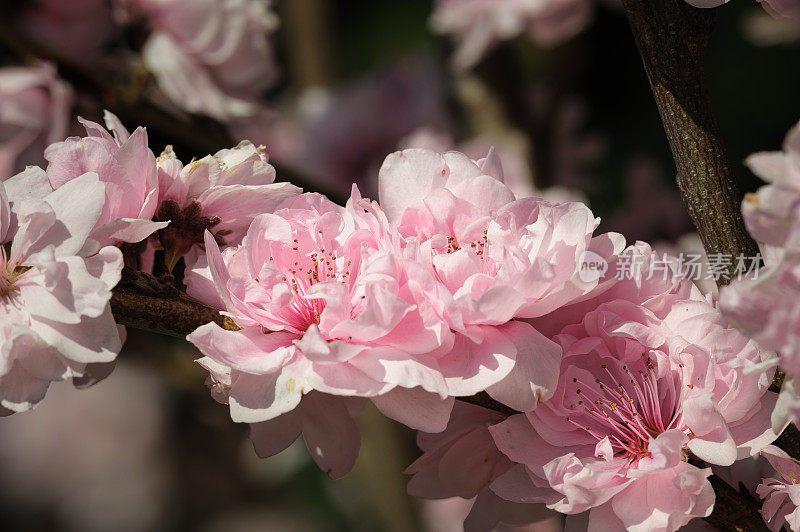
x=176 y=316
x=672 y=38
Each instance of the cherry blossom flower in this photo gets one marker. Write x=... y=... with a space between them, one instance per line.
x=123 y=163
x=486 y=258
x=766 y=306
x=477 y=25
x=328 y=285
x=55 y=285
x=461 y=462
x=781 y=495
x=650 y=373
x=326 y=422
x=210 y=57
x=222 y=193
x=515 y=171
x=34 y=112
x=780 y=507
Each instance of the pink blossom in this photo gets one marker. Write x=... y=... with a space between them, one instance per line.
x=34 y=112
x=461 y=462
x=55 y=285
x=650 y=373
x=123 y=163
x=776 y=8
x=325 y=421
x=516 y=173
x=765 y=306
x=222 y=192
x=339 y=136
x=782 y=8
x=781 y=495
x=477 y=25
x=328 y=285
x=486 y=258
x=210 y=56
x=772 y=214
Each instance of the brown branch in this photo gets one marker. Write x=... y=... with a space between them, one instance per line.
x=672 y=38
x=176 y=316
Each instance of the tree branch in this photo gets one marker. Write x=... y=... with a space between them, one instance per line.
x=672 y=38
x=176 y=316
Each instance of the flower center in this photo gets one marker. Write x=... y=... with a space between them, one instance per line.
x=478 y=245
x=303 y=269
x=9 y=273
x=628 y=403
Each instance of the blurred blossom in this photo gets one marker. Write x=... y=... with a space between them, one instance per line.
x=455 y=471
x=211 y=57
x=92 y=458
x=35 y=108
x=78 y=27
x=478 y=25
x=782 y=8
x=341 y=136
x=776 y=8
x=762 y=29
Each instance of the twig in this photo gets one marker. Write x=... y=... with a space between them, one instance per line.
x=174 y=317
x=672 y=37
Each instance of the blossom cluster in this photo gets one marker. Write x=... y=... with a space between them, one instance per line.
x=605 y=389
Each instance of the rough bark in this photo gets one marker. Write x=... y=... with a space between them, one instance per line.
x=672 y=38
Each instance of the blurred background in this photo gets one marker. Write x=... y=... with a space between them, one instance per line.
x=331 y=87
